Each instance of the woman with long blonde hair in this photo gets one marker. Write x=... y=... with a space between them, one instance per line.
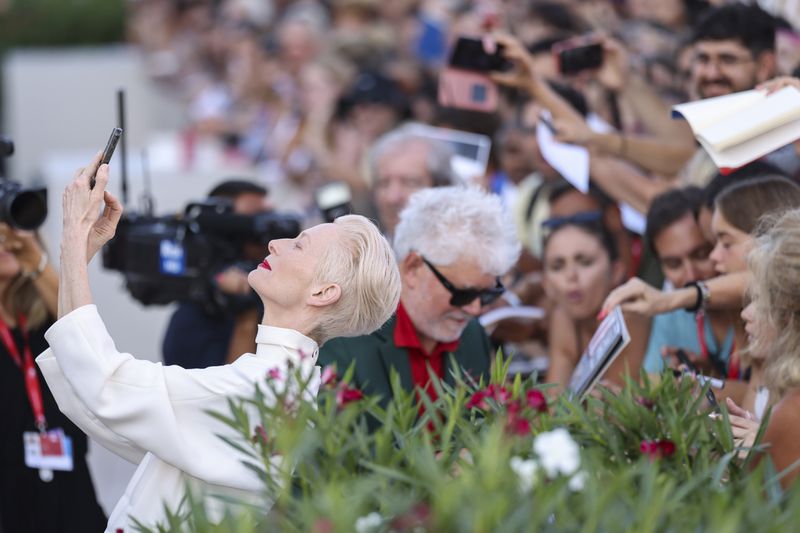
x=773 y=328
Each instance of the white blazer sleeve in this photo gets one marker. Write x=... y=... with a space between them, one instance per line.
x=74 y=409
x=163 y=410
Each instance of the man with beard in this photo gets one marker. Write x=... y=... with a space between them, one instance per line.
x=452 y=245
x=734 y=50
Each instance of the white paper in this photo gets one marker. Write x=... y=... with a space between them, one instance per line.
x=503 y=313
x=632 y=219
x=703 y=113
x=762 y=117
x=569 y=160
x=739 y=128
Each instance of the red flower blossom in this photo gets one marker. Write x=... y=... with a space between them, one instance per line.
x=275 y=373
x=657 y=449
x=667 y=448
x=346 y=395
x=500 y=394
x=518 y=425
x=329 y=376
x=478 y=399
x=536 y=400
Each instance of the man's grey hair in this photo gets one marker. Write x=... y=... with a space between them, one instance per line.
x=450 y=224
x=439 y=153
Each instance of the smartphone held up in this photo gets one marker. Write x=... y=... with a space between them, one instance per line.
x=465 y=83
x=577 y=55
x=108 y=151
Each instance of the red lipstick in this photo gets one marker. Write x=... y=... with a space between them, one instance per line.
x=265 y=264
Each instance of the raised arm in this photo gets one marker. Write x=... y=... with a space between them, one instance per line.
x=84 y=232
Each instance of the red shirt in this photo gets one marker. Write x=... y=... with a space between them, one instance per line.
x=405 y=336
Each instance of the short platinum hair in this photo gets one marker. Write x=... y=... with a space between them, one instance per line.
x=449 y=224
x=365 y=269
x=439 y=154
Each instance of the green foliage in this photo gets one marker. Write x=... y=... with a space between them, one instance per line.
x=62 y=22
x=651 y=459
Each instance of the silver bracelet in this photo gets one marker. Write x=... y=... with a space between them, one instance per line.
x=33 y=274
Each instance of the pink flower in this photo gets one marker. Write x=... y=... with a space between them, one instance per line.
x=346 y=395
x=275 y=373
x=536 y=401
x=329 y=376
x=657 y=449
x=478 y=399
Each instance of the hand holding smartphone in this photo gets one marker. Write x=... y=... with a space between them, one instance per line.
x=579 y=54
x=465 y=83
x=702 y=380
x=111 y=145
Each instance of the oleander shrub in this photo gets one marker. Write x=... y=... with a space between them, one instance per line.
x=497 y=456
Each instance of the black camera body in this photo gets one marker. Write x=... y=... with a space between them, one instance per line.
x=174 y=258
x=20 y=207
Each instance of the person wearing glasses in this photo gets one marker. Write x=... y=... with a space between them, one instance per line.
x=452 y=245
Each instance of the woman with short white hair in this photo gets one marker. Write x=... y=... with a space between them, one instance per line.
x=333 y=280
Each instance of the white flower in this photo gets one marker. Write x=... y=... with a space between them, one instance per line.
x=368 y=523
x=557 y=452
x=526 y=472
x=578 y=481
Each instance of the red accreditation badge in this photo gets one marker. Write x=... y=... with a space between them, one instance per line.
x=48 y=451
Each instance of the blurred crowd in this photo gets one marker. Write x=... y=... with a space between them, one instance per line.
x=313 y=92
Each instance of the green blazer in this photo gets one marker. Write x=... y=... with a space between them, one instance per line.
x=375 y=355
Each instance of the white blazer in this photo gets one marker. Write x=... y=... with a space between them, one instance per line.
x=156 y=416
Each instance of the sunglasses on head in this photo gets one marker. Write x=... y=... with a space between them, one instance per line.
x=462 y=297
x=586 y=217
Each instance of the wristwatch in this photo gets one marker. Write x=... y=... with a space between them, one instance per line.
x=703 y=296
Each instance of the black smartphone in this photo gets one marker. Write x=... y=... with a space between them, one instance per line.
x=575 y=59
x=469 y=54
x=111 y=145
x=684 y=359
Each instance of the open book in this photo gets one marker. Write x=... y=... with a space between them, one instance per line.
x=607 y=342
x=738 y=128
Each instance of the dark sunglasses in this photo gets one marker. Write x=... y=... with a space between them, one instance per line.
x=462 y=297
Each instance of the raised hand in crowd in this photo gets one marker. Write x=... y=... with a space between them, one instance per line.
x=779 y=83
